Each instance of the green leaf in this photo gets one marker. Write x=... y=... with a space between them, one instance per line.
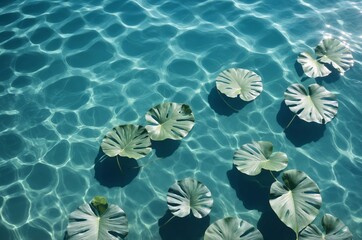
x=100 y=204
x=240 y=82
x=311 y=67
x=313 y=105
x=297 y=201
x=334 y=52
x=169 y=121
x=85 y=224
x=232 y=228
x=189 y=195
x=334 y=229
x=251 y=158
x=130 y=141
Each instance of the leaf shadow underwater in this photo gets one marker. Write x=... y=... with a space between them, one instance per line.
x=254 y=191
x=220 y=103
x=166 y=147
x=189 y=227
x=299 y=132
x=108 y=173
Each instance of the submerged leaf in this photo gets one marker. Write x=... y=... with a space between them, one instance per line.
x=313 y=105
x=130 y=141
x=189 y=195
x=240 y=82
x=251 y=158
x=169 y=121
x=232 y=228
x=297 y=201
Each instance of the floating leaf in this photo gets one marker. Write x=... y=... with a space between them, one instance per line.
x=297 y=201
x=251 y=158
x=240 y=82
x=335 y=52
x=169 y=120
x=311 y=67
x=189 y=195
x=313 y=105
x=334 y=229
x=130 y=141
x=85 y=223
x=232 y=228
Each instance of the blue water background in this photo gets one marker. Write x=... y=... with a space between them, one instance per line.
x=71 y=70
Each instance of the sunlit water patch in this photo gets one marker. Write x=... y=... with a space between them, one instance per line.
x=69 y=72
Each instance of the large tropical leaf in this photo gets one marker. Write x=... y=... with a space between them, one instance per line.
x=311 y=67
x=334 y=229
x=169 y=120
x=335 y=52
x=297 y=201
x=130 y=141
x=90 y=222
x=251 y=158
x=313 y=105
x=232 y=228
x=240 y=82
x=189 y=195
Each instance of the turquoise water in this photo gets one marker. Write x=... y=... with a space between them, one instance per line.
x=70 y=71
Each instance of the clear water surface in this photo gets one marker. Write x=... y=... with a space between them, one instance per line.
x=71 y=70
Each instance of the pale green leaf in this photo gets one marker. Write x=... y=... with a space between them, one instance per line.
x=240 y=82
x=169 y=121
x=297 y=201
x=232 y=228
x=189 y=195
x=251 y=158
x=313 y=105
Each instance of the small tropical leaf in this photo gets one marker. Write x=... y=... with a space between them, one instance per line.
x=313 y=105
x=240 y=82
x=311 y=67
x=130 y=141
x=232 y=228
x=169 y=120
x=189 y=195
x=334 y=52
x=334 y=229
x=251 y=158
x=86 y=224
x=297 y=201
x=100 y=204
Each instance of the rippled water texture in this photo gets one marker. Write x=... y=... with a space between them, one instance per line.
x=71 y=70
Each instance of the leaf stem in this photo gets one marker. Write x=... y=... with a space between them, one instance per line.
x=119 y=165
x=290 y=122
x=101 y=159
x=271 y=173
x=226 y=102
x=168 y=221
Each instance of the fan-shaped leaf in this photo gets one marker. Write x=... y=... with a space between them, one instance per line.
x=315 y=105
x=189 y=195
x=297 y=201
x=251 y=158
x=311 y=67
x=240 y=82
x=86 y=223
x=335 y=52
x=334 y=229
x=169 y=120
x=232 y=228
x=130 y=141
